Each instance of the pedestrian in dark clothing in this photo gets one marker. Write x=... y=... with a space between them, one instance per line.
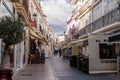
x=42 y=57
x=60 y=52
x=55 y=52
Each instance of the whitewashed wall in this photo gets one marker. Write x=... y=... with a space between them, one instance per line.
x=98 y=10
x=95 y=63
x=18 y=55
x=85 y=20
x=46 y=51
x=103 y=7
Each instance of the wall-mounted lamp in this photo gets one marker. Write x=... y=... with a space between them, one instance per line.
x=34 y=20
x=97 y=40
x=44 y=15
x=34 y=15
x=105 y=40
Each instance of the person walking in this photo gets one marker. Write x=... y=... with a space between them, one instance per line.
x=60 y=52
x=43 y=57
x=55 y=52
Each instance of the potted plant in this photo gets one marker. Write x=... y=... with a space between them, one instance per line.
x=11 y=32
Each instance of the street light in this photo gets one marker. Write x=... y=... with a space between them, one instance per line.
x=34 y=18
x=34 y=15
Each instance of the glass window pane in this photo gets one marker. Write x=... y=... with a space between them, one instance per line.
x=5 y=11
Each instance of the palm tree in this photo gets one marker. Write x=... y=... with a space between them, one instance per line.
x=11 y=32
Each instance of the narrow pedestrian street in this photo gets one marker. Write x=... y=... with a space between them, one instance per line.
x=57 y=68
x=60 y=40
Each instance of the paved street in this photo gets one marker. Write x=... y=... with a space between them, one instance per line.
x=57 y=68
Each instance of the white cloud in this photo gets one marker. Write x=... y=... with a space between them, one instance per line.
x=57 y=12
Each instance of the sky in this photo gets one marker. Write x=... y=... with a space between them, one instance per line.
x=57 y=12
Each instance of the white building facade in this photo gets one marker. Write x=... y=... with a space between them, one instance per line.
x=97 y=23
x=18 y=56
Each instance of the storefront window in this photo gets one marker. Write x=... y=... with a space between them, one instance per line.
x=107 y=51
x=5 y=11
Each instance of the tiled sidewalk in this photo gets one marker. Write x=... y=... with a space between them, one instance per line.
x=35 y=72
x=57 y=68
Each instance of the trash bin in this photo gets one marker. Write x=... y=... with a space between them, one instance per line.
x=73 y=61
x=6 y=74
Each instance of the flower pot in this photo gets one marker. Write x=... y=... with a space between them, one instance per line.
x=6 y=74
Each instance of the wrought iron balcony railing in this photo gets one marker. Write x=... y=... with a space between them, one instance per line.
x=107 y=19
x=22 y=3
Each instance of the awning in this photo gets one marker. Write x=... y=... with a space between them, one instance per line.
x=78 y=41
x=115 y=37
x=34 y=35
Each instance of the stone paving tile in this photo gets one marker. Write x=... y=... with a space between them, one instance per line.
x=57 y=68
x=63 y=71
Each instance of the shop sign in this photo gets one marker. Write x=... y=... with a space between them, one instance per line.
x=108 y=61
x=118 y=64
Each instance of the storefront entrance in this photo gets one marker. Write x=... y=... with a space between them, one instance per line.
x=34 y=54
x=117 y=51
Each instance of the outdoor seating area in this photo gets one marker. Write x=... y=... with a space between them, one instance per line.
x=80 y=62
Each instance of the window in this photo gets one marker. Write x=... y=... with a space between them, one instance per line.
x=5 y=10
x=107 y=51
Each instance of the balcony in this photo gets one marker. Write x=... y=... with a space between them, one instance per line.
x=80 y=10
x=22 y=9
x=106 y=20
x=18 y=1
x=75 y=11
